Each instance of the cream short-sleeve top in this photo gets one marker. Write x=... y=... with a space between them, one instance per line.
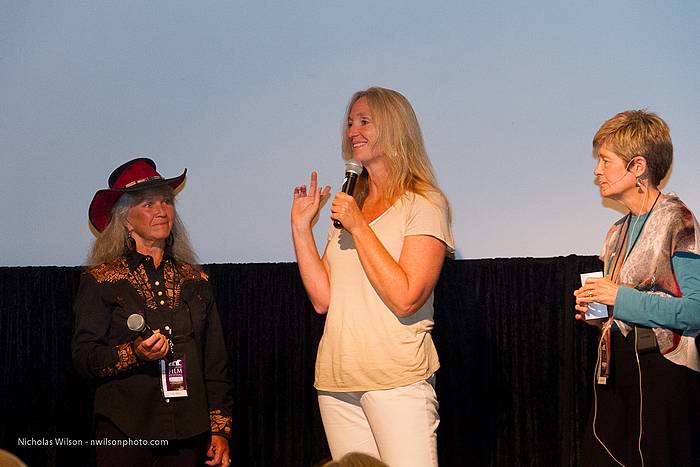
x=364 y=345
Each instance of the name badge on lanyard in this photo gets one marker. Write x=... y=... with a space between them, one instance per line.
x=173 y=375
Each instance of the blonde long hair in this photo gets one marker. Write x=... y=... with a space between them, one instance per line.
x=111 y=243
x=400 y=141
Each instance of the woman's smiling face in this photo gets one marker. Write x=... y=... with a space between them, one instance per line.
x=362 y=132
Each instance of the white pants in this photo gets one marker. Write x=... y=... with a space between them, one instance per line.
x=398 y=426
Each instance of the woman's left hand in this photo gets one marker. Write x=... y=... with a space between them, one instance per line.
x=345 y=209
x=596 y=289
x=218 y=451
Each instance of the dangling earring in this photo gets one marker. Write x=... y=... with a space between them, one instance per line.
x=638 y=184
x=130 y=242
x=170 y=240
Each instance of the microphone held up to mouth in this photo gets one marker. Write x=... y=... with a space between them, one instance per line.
x=353 y=170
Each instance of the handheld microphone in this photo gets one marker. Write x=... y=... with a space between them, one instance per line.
x=137 y=324
x=353 y=169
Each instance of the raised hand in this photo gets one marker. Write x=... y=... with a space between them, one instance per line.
x=307 y=203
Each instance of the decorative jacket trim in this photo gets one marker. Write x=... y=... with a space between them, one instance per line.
x=126 y=358
x=220 y=424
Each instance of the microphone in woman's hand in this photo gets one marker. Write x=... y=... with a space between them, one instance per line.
x=137 y=324
x=353 y=169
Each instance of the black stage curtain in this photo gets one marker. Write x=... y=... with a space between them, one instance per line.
x=514 y=387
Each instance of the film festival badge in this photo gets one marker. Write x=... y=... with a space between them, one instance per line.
x=174 y=377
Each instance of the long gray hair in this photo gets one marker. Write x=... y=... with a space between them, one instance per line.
x=111 y=243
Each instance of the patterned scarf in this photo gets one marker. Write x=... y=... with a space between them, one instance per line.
x=670 y=228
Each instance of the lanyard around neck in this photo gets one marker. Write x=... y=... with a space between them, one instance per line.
x=620 y=250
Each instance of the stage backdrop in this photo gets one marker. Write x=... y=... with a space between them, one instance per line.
x=514 y=387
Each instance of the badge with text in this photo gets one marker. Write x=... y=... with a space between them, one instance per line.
x=174 y=377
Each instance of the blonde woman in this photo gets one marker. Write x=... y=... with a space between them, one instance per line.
x=376 y=363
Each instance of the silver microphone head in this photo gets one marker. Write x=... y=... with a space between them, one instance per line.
x=353 y=166
x=136 y=322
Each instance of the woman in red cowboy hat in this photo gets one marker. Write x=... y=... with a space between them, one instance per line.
x=168 y=378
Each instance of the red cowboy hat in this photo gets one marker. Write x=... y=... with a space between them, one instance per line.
x=135 y=175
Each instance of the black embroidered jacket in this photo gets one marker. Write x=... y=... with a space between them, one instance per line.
x=175 y=296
